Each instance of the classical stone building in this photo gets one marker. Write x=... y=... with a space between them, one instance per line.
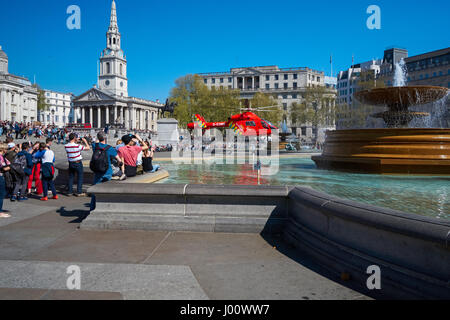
x=286 y=85
x=18 y=98
x=59 y=111
x=109 y=103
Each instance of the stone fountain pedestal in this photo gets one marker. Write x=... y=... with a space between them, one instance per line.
x=393 y=150
x=387 y=151
x=167 y=132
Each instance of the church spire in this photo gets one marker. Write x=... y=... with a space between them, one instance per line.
x=113 y=27
x=113 y=34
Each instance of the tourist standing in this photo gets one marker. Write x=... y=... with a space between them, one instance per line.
x=4 y=167
x=36 y=172
x=25 y=161
x=73 y=150
x=48 y=170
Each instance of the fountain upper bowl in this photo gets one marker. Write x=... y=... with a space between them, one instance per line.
x=401 y=97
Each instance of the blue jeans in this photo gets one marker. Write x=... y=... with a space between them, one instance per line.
x=2 y=191
x=76 y=168
x=48 y=184
x=156 y=167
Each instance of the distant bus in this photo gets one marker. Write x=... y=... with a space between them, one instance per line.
x=79 y=126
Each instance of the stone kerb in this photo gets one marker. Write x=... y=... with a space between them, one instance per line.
x=188 y=208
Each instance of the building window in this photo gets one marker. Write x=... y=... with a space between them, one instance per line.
x=285 y=106
x=267 y=86
x=294 y=96
x=108 y=68
x=221 y=80
x=284 y=96
x=267 y=78
x=230 y=79
x=121 y=69
x=276 y=77
x=286 y=76
x=205 y=81
x=276 y=85
x=213 y=80
x=295 y=85
x=318 y=79
x=285 y=85
x=295 y=76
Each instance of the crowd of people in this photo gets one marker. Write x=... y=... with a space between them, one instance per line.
x=28 y=168
x=27 y=130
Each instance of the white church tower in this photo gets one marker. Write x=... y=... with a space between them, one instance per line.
x=113 y=63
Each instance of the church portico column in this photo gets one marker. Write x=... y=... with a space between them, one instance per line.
x=115 y=114
x=107 y=116
x=126 y=112
x=83 y=115
x=99 y=117
x=91 y=116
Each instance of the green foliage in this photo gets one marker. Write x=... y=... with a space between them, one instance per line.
x=42 y=101
x=194 y=97
x=261 y=101
x=317 y=107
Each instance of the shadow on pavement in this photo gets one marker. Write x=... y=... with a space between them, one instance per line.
x=79 y=214
x=302 y=258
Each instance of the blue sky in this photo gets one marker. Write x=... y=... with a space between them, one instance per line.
x=164 y=40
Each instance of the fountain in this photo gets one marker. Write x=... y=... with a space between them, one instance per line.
x=396 y=149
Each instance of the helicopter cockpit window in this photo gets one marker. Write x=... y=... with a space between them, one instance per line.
x=265 y=126
x=250 y=124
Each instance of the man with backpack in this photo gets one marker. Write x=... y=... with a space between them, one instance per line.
x=23 y=165
x=101 y=159
x=73 y=150
x=101 y=162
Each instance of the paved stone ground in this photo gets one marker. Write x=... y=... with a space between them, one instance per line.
x=42 y=239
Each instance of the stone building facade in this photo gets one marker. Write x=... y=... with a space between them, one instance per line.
x=286 y=85
x=18 y=98
x=59 y=111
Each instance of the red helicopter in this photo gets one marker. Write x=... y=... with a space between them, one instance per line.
x=246 y=124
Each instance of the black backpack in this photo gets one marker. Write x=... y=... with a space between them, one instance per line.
x=99 y=162
x=19 y=165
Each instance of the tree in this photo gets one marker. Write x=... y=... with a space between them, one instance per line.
x=42 y=104
x=317 y=108
x=193 y=97
x=266 y=107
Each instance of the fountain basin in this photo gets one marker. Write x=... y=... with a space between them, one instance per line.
x=387 y=151
x=400 y=98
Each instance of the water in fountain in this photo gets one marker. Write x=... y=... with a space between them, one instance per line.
x=400 y=74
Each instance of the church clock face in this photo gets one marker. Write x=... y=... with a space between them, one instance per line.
x=107 y=82
x=121 y=84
